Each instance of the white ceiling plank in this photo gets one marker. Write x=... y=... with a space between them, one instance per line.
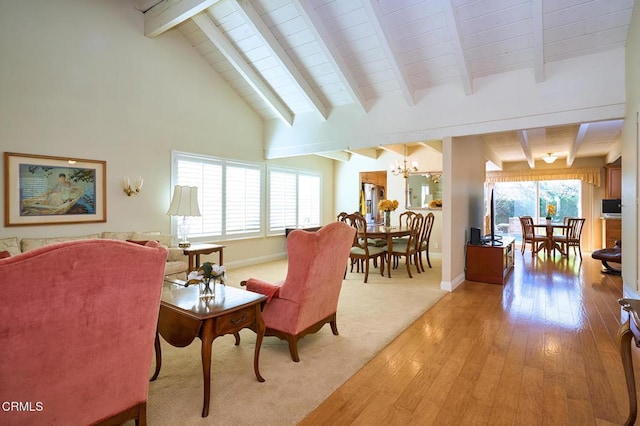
x=456 y=41
x=524 y=142
x=538 y=40
x=169 y=13
x=253 y=19
x=582 y=131
x=372 y=7
x=232 y=55
x=315 y=26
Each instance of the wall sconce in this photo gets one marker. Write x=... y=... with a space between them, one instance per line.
x=128 y=189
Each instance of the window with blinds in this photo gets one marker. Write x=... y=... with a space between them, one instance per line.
x=294 y=199
x=229 y=195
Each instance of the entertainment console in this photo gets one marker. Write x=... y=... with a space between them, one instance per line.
x=490 y=263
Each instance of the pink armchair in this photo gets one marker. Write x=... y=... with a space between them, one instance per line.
x=77 y=325
x=308 y=297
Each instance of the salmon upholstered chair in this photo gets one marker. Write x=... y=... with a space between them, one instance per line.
x=77 y=325
x=308 y=297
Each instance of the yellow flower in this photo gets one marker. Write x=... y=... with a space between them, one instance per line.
x=551 y=210
x=388 y=205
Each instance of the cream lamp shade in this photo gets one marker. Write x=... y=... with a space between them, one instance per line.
x=184 y=203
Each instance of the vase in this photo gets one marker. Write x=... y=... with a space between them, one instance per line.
x=208 y=288
x=387 y=218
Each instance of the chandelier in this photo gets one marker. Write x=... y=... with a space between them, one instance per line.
x=404 y=170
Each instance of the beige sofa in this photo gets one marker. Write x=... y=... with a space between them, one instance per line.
x=176 y=266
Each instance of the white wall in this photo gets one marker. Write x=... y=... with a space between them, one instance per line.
x=630 y=176
x=79 y=79
x=463 y=203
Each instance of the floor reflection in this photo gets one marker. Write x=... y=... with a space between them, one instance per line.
x=547 y=291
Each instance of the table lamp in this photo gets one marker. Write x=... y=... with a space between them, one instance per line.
x=184 y=203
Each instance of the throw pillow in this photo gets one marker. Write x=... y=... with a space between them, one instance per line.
x=4 y=254
x=11 y=245
x=140 y=242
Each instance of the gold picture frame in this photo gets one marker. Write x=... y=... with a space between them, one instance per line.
x=46 y=190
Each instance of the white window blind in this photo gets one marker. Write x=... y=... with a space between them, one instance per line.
x=243 y=198
x=294 y=199
x=229 y=195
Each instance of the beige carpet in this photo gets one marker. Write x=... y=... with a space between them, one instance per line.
x=369 y=317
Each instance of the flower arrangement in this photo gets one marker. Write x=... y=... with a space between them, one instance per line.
x=204 y=276
x=551 y=210
x=388 y=205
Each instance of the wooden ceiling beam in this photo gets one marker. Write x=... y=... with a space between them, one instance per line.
x=456 y=42
x=168 y=13
x=314 y=23
x=575 y=146
x=343 y=156
x=526 y=148
x=372 y=7
x=538 y=40
x=253 y=19
x=246 y=71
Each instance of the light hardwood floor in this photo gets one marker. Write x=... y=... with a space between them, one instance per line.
x=542 y=350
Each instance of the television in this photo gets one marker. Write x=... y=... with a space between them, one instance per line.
x=612 y=206
x=492 y=238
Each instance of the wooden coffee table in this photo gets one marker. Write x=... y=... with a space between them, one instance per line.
x=184 y=316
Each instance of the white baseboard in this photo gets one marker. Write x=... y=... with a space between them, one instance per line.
x=255 y=260
x=452 y=285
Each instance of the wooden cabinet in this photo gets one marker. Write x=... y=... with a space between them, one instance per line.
x=613 y=182
x=612 y=228
x=490 y=264
x=376 y=178
x=611 y=231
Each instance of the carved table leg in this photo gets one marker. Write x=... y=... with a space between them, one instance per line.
x=260 y=329
x=625 y=336
x=156 y=345
x=207 y=337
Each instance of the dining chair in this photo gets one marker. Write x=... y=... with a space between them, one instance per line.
x=404 y=220
x=572 y=236
x=423 y=243
x=361 y=250
x=529 y=236
x=409 y=248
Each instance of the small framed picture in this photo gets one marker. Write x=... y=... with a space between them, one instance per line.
x=45 y=190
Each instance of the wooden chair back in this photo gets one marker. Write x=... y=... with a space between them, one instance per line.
x=574 y=230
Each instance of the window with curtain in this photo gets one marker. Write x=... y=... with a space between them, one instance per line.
x=229 y=195
x=294 y=199
x=531 y=198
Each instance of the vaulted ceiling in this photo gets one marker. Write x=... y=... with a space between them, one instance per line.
x=290 y=57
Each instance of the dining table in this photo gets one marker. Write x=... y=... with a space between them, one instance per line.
x=387 y=233
x=550 y=228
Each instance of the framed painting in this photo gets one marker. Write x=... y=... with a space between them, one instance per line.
x=45 y=190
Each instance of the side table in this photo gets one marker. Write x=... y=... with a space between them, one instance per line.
x=185 y=316
x=195 y=250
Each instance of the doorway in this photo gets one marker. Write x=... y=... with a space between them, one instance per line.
x=373 y=188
